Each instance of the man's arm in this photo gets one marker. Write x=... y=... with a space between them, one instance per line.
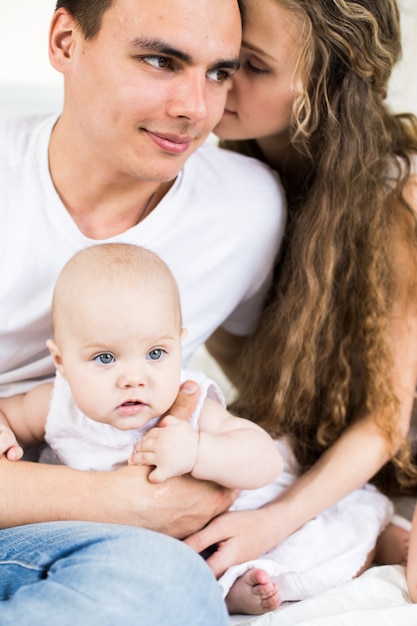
x=35 y=492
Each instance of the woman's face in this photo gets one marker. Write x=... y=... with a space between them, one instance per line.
x=259 y=104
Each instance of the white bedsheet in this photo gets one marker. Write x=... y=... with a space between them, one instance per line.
x=377 y=598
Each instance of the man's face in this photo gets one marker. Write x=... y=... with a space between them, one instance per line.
x=144 y=94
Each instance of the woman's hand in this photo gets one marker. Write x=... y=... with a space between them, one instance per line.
x=239 y=536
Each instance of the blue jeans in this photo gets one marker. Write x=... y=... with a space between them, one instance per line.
x=84 y=574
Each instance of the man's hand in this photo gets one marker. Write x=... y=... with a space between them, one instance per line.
x=186 y=400
x=182 y=505
x=179 y=506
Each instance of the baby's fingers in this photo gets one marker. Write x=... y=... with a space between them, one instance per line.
x=142 y=458
x=14 y=453
x=159 y=475
x=9 y=445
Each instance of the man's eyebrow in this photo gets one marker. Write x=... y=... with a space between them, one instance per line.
x=161 y=47
x=224 y=64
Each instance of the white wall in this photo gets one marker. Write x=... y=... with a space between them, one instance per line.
x=24 y=26
x=403 y=88
x=27 y=82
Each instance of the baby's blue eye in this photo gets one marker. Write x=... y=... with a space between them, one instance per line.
x=155 y=355
x=105 y=358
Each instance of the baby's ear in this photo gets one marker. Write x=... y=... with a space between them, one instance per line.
x=56 y=355
x=184 y=333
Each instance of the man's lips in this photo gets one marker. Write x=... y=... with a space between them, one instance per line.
x=175 y=144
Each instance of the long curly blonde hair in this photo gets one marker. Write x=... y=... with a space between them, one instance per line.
x=320 y=358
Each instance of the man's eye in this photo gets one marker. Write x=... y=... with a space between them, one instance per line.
x=104 y=359
x=220 y=76
x=156 y=355
x=159 y=62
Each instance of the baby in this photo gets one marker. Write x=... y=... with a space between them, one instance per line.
x=117 y=350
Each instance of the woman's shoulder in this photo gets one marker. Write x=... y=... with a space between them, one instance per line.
x=403 y=246
x=410 y=187
x=403 y=173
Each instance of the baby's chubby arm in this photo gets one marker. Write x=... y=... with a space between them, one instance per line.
x=228 y=450
x=234 y=452
x=22 y=420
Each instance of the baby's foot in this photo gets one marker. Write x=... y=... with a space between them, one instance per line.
x=253 y=593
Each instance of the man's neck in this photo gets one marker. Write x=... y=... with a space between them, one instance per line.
x=101 y=204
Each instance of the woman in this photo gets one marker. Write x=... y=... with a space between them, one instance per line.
x=333 y=365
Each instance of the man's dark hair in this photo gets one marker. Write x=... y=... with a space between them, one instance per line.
x=89 y=13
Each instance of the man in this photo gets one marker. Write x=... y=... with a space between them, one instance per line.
x=145 y=82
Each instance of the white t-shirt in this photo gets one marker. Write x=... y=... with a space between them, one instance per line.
x=218 y=229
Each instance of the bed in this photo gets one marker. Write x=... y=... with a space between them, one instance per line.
x=377 y=598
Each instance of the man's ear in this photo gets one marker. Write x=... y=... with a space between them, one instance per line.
x=56 y=356
x=62 y=34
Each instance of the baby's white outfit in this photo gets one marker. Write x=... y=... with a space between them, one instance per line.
x=327 y=551
x=79 y=442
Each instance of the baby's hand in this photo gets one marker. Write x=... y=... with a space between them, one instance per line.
x=172 y=447
x=9 y=445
